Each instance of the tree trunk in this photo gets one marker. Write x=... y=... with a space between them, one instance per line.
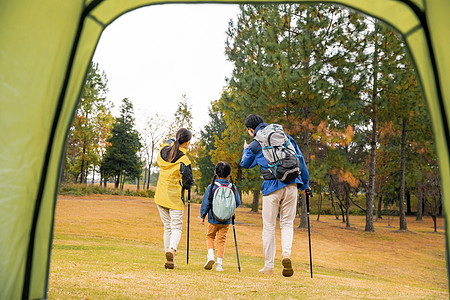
x=255 y=202
x=333 y=204
x=303 y=212
x=319 y=205
x=424 y=206
x=138 y=183
x=419 y=202
x=434 y=221
x=82 y=163
x=116 y=183
x=86 y=175
x=371 y=187
x=150 y=166
x=239 y=178
x=347 y=214
x=380 y=200
x=402 y=178
x=145 y=177
x=408 y=201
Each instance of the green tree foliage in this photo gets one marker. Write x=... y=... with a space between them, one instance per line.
x=90 y=129
x=121 y=159
x=229 y=146
x=205 y=165
x=293 y=64
x=343 y=87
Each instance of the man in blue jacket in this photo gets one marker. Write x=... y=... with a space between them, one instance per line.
x=276 y=196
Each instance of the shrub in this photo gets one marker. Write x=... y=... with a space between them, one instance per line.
x=83 y=189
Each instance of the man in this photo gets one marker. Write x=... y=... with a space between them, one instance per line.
x=276 y=195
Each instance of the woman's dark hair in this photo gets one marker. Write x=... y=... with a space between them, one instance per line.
x=223 y=169
x=183 y=135
x=252 y=121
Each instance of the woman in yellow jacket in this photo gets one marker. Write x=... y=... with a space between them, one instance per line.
x=175 y=176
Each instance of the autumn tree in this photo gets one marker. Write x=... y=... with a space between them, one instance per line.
x=90 y=129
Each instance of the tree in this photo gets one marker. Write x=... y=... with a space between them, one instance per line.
x=182 y=117
x=91 y=127
x=215 y=128
x=121 y=160
x=152 y=135
x=289 y=63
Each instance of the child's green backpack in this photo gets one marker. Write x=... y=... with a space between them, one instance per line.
x=223 y=203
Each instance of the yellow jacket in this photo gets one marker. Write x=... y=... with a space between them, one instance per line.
x=170 y=186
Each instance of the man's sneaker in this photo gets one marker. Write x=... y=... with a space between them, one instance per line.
x=209 y=262
x=219 y=267
x=266 y=270
x=287 y=267
x=170 y=259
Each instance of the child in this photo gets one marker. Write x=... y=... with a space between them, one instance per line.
x=215 y=227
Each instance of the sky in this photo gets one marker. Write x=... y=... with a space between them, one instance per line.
x=154 y=54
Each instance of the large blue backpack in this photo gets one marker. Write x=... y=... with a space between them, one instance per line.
x=283 y=162
x=223 y=202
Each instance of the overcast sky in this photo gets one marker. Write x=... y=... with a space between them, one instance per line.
x=155 y=54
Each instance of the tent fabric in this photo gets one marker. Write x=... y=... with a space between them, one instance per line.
x=45 y=50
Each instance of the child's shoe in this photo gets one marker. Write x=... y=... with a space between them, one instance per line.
x=219 y=267
x=209 y=262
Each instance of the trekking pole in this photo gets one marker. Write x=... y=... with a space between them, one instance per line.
x=189 y=221
x=308 y=193
x=235 y=242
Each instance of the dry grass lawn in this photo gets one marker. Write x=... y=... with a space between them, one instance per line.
x=110 y=247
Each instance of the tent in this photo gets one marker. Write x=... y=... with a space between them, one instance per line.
x=45 y=50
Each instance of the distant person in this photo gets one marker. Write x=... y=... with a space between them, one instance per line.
x=175 y=176
x=277 y=195
x=218 y=228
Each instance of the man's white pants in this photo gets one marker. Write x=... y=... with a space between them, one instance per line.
x=173 y=225
x=284 y=199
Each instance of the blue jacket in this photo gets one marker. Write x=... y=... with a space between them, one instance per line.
x=253 y=156
x=206 y=205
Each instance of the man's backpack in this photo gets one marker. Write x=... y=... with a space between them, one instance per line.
x=283 y=161
x=223 y=202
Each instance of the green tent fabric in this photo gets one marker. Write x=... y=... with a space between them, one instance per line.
x=45 y=49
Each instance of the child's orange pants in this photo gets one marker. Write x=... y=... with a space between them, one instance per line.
x=220 y=231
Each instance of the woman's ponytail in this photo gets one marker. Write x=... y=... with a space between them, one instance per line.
x=183 y=135
x=174 y=150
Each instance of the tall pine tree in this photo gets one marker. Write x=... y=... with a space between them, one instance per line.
x=121 y=159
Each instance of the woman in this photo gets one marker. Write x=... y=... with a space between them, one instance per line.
x=175 y=176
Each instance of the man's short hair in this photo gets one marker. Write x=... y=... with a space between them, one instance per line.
x=252 y=121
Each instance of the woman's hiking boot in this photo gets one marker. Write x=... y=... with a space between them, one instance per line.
x=209 y=262
x=170 y=259
x=287 y=267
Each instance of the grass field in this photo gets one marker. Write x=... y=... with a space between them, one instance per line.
x=110 y=247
